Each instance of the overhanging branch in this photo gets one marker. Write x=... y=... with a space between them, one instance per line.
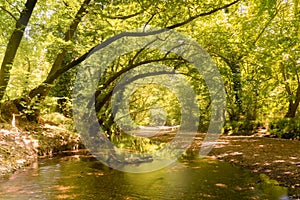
x=107 y=42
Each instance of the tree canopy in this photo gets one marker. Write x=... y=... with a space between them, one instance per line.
x=255 y=45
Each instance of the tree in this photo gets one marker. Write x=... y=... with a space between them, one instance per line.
x=13 y=45
x=73 y=33
x=68 y=28
x=279 y=52
x=292 y=60
x=43 y=89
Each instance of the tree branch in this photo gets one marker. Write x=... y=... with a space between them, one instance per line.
x=122 y=17
x=202 y=15
x=72 y=64
x=118 y=74
x=265 y=27
x=145 y=26
x=2 y=7
x=139 y=52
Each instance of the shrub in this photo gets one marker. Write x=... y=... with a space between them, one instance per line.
x=285 y=128
x=243 y=127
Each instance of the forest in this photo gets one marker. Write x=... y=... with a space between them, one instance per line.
x=255 y=46
x=131 y=64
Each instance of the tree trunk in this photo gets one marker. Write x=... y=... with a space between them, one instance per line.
x=293 y=104
x=291 y=110
x=69 y=36
x=42 y=90
x=13 y=45
x=237 y=88
x=294 y=99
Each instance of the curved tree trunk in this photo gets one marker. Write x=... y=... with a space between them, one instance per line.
x=42 y=90
x=293 y=98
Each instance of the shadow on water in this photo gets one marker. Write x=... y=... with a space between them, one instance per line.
x=82 y=177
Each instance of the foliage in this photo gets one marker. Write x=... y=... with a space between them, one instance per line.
x=242 y=127
x=285 y=128
x=154 y=105
x=136 y=144
x=255 y=45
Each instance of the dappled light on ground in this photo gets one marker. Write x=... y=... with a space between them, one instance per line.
x=279 y=159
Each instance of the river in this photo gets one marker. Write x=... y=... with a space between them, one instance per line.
x=82 y=177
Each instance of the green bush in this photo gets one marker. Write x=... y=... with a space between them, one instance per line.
x=243 y=127
x=285 y=128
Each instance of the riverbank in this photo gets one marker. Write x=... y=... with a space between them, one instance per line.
x=279 y=159
x=20 y=147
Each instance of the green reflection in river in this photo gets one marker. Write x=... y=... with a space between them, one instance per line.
x=81 y=177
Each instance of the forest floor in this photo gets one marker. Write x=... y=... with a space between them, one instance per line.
x=279 y=159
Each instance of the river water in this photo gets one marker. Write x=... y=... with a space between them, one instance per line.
x=82 y=177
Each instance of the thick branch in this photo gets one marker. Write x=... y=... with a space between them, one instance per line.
x=132 y=34
x=52 y=76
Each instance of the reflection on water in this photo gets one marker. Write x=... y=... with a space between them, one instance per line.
x=81 y=177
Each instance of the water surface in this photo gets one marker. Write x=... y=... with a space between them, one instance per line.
x=82 y=177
